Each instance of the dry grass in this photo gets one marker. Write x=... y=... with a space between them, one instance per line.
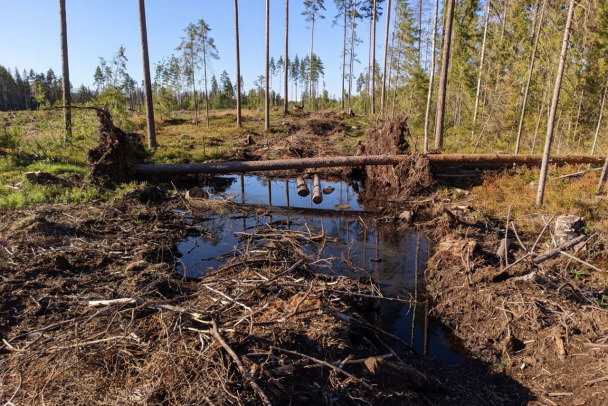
x=574 y=195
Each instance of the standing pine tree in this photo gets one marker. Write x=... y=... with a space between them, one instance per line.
x=312 y=12
x=147 y=82
x=65 y=73
x=238 y=64
x=197 y=47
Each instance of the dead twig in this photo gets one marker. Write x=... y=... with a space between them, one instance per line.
x=581 y=261
x=556 y=251
x=542 y=232
x=239 y=365
x=327 y=364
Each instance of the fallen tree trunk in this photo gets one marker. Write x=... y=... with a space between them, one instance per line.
x=438 y=161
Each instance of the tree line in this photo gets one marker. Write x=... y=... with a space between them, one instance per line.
x=479 y=72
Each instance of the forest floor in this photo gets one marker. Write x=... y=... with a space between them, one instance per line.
x=533 y=333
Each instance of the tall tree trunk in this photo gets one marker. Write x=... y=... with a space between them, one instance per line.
x=483 y=56
x=529 y=79
x=388 y=20
x=369 y=68
x=194 y=90
x=239 y=121
x=551 y=121
x=599 y=120
x=352 y=54
x=538 y=121
x=267 y=98
x=286 y=104
x=373 y=73
x=312 y=42
x=429 y=98
x=504 y=20
x=206 y=91
x=443 y=77
x=419 y=32
x=65 y=73
x=147 y=81
x=390 y=62
x=396 y=84
x=343 y=55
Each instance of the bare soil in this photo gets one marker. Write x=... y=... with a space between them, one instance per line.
x=541 y=325
x=267 y=324
x=302 y=337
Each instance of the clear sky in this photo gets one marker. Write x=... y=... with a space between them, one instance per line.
x=30 y=35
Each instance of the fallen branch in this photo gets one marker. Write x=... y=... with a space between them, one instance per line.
x=581 y=261
x=239 y=365
x=556 y=251
x=126 y=300
x=327 y=364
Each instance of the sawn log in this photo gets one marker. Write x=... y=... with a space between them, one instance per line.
x=438 y=162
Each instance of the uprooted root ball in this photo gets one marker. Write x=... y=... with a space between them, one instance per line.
x=399 y=182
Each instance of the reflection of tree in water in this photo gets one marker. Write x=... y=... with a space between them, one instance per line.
x=214 y=231
x=217 y=184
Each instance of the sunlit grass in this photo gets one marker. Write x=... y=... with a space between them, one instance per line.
x=562 y=196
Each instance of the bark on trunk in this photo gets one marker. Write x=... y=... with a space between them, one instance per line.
x=529 y=79
x=352 y=55
x=443 y=78
x=65 y=73
x=429 y=98
x=550 y=124
x=483 y=55
x=388 y=20
x=206 y=92
x=373 y=72
x=267 y=90
x=438 y=161
x=239 y=122
x=286 y=104
x=312 y=43
x=343 y=56
x=147 y=82
x=599 y=120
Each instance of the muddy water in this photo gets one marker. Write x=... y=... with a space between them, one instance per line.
x=355 y=247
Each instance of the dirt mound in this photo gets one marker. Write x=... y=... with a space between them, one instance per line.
x=398 y=182
x=115 y=154
x=538 y=324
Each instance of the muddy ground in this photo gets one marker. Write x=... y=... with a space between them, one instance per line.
x=301 y=337
x=544 y=325
x=93 y=311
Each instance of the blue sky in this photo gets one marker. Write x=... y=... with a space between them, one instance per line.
x=30 y=35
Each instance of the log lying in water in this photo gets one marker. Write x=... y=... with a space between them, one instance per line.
x=438 y=161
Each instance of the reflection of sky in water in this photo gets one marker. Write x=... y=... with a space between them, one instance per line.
x=256 y=192
x=385 y=254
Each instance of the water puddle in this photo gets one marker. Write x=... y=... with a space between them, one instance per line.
x=256 y=190
x=355 y=247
